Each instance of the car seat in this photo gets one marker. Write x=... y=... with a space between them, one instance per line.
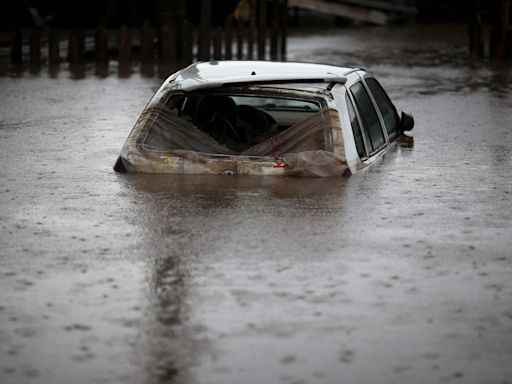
x=217 y=116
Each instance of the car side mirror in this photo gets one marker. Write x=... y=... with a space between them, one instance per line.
x=406 y=122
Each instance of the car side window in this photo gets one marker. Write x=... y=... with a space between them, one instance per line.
x=386 y=107
x=356 y=129
x=368 y=116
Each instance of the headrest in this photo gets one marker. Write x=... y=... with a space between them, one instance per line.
x=207 y=106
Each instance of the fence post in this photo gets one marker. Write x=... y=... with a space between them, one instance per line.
x=124 y=51
x=205 y=30
x=34 y=43
x=274 y=34
x=146 y=43
x=476 y=43
x=500 y=30
x=217 y=43
x=262 y=26
x=101 y=46
x=124 y=45
x=252 y=31
x=187 y=51
x=53 y=48
x=168 y=41
x=76 y=46
x=240 y=39
x=284 y=28
x=228 y=38
x=16 y=43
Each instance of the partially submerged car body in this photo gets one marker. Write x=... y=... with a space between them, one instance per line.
x=263 y=118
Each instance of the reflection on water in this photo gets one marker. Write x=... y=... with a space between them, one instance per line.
x=214 y=187
x=169 y=353
x=405 y=141
x=187 y=219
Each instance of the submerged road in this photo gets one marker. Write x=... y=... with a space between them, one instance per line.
x=400 y=274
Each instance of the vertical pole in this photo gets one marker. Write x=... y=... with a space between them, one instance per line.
x=204 y=31
x=168 y=41
x=228 y=37
x=252 y=31
x=476 y=43
x=499 y=35
x=147 y=36
x=124 y=51
x=262 y=26
x=284 y=28
x=217 y=43
x=274 y=34
x=34 y=43
x=508 y=41
x=101 y=45
x=188 y=42
x=101 y=51
x=16 y=44
x=240 y=39
x=147 y=49
x=124 y=45
x=76 y=46
x=53 y=48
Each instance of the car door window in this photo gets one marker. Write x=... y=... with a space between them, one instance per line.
x=368 y=116
x=356 y=129
x=386 y=107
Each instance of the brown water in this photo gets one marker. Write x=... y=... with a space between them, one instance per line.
x=400 y=274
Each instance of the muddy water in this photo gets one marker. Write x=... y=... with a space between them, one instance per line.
x=400 y=274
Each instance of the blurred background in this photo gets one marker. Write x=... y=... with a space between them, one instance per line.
x=165 y=34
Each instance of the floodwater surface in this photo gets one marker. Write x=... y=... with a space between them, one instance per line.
x=399 y=274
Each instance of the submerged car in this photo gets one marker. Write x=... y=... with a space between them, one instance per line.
x=264 y=118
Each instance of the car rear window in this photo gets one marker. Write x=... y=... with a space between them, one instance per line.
x=368 y=116
x=386 y=107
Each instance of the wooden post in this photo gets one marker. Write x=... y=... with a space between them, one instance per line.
x=295 y=17
x=34 y=44
x=476 y=42
x=101 y=46
x=205 y=30
x=228 y=38
x=188 y=42
x=16 y=44
x=217 y=43
x=240 y=39
x=147 y=50
x=147 y=37
x=124 y=51
x=251 y=34
x=262 y=29
x=274 y=34
x=124 y=45
x=284 y=28
x=500 y=31
x=76 y=46
x=168 y=42
x=53 y=48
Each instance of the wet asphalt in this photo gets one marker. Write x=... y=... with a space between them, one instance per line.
x=399 y=274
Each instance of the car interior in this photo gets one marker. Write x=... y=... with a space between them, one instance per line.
x=235 y=123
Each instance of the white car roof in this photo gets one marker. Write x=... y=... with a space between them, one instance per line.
x=219 y=73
